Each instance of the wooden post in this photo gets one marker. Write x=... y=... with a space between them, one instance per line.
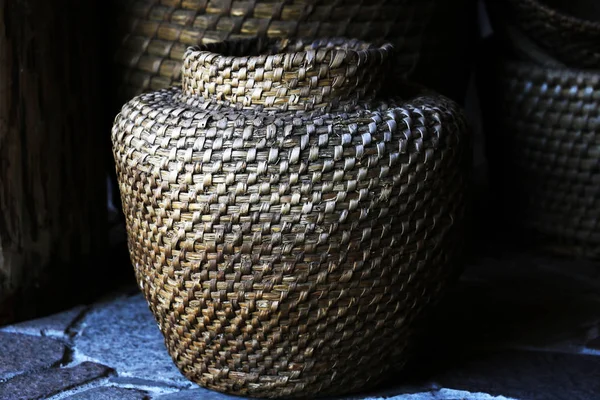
x=52 y=160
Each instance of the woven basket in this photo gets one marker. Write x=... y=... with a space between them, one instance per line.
x=543 y=129
x=286 y=228
x=572 y=41
x=433 y=37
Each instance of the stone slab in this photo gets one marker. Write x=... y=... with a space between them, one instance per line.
x=444 y=394
x=440 y=394
x=140 y=383
x=122 y=333
x=53 y=325
x=110 y=393
x=52 y=381
x=23 y=353
x=195 y=394
x=526 y=375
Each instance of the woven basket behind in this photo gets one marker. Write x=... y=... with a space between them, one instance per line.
x=432 y=37
x=572 y=41
x=286 y=229
x=543 y=128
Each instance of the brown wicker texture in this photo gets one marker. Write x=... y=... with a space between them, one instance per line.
x=573 y=41
x=431 y=35
x=286 y=229
x=543 y=126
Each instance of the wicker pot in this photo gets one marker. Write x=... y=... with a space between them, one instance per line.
x=433 y=37
x=554 y=26
x=285 y=227
x=544 y=151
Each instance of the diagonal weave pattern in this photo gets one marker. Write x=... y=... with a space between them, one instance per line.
x=430 y=35
x=547 y=144
x=289 y=252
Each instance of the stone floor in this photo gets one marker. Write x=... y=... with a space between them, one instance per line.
x=518 y=326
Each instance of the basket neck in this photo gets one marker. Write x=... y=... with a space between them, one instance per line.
x=302 y=75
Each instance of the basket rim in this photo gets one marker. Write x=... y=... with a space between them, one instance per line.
x=212 y=57
x=555 y=15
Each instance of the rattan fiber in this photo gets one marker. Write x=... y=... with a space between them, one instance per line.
x=285 y=230
x=545 y=150
x=431 y=35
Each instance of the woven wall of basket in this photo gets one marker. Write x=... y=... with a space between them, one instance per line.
x=432 y=37
x=288 y=226
x=542 y=123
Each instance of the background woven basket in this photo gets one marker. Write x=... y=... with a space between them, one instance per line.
x=285 y=245
x=543 y=133
x=432 y=37
x=569 y=32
